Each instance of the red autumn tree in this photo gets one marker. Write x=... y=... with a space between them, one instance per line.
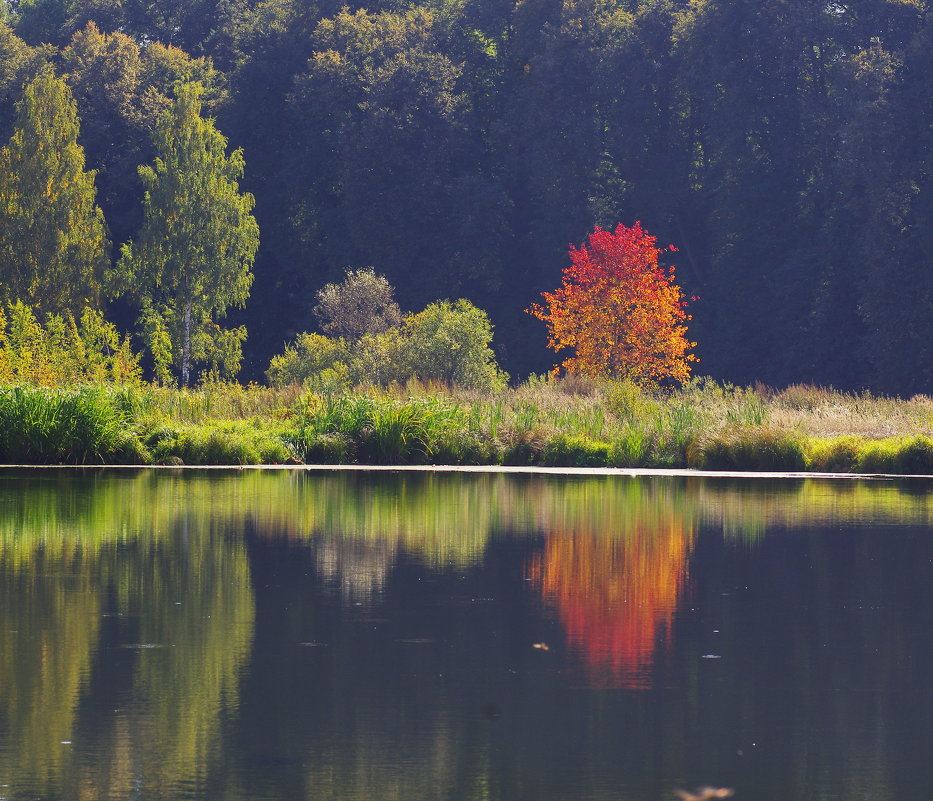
x=619 y=310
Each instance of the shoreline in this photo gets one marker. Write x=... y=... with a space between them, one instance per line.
x=627 y=472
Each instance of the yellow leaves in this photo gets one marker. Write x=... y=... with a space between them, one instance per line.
x=63 y=350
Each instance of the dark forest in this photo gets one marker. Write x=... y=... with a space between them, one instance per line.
x=460 y=146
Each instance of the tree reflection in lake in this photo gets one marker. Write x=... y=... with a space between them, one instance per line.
x=616 y=592
x=278 y=636
x=159 y=604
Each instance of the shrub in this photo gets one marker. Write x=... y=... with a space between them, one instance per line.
x=903 y=455
x=450 y=342
x=62 y=350
x=915 y=456
x=311 y=448
x=308 y=356
x=575 y=451
x=447 y=342
x=632 y=447
x=380 y=430
x=629 y=402
x=363 y=303
x=230 y=442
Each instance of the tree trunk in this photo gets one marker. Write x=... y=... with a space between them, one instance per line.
x=186 y=346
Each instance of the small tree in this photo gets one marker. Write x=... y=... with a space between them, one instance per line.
x=619 y=310
x=363 y=303
x=53 y=242
x=450 y=342
x=193 y=258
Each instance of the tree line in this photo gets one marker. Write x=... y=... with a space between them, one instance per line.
x=189 y=262
x=459 y=148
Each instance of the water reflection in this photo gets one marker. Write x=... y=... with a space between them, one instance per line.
x=274 y=635
x=49 y=621
x=357 y=571
x=155 y=618
x=615 y=591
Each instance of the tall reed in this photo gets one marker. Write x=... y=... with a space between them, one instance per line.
x=83 y=425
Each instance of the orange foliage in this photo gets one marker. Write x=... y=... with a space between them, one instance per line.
x=619 y=310
x=616 y=598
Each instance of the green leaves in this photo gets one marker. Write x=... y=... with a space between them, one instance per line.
x=193 y=258
x=447 y=342
x=54 y=250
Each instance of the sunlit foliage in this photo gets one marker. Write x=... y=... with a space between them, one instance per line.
x=192 y=260
x=54 y=250
x=63 y=350
x=619 y=310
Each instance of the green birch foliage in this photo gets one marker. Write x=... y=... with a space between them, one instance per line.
x=54 y=249
x=193 y=257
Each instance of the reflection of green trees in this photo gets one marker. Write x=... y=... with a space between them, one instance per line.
x=49 y=621
x=73 y=549
x=448 y=518
x=387 y=764
x=165 y=551
x=194 y=603
x=747 y=510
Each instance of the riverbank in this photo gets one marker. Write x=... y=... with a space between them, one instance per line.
x=569 y=423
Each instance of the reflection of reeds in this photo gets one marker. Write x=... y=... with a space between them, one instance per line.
x=616 y=595
x=613 y=565
x=705 y=793
x=444 y=519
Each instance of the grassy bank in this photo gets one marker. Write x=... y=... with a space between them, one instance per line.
x=552 y=423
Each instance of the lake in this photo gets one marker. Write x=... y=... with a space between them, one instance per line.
x=263 y=635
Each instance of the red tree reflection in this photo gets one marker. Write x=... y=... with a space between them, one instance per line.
x=616 y=596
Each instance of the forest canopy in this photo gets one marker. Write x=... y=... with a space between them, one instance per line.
x=458 y=149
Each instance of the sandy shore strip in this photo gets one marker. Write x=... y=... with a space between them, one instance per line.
x=630 y=472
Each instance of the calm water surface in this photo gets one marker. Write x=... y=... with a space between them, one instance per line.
x=413 y=637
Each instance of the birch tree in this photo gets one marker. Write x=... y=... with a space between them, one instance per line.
x=193 y=257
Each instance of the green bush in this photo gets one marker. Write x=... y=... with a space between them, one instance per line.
x=632 y=447
x=306 y=358
x=902 y=455
x=450 y=342
x=447 y=342
x=915 y=457
x=629 y=402
x=834 y=454
x=380 y=430
x=321 y=448
x=63 y=350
